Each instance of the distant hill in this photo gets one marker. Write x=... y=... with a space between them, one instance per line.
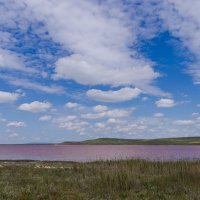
x=117 y=141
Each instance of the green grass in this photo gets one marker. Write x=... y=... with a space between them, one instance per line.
x=163 y=141
x=130 y=179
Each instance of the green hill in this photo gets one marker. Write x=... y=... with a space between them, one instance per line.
x=162 y=141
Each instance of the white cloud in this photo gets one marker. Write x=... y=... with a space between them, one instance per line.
x=35 y=106
x=71 y=122
x=12 y=135
x=100 y=108
x=118 y=113
x=98 y=35
x=100 y=125
x=144 y=98
x=114 y=113
x=2 y=120
x=184 y=122
x=165 y=103
x=122 y=123
x=11 y=61
x=8 y=97
x=86 y=70
x=5 y=38
x=45 y=118
x=115 y=121
x=52 y=89
x=124 y=94
x=71 y=105
x=93 y=115
x=111 y=121
x=158 y=115
x=195 y=114
x=16 y=124
x=182 y=19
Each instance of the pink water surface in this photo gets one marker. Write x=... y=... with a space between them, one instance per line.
x=82 y=153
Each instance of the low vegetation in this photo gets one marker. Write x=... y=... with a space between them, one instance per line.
x=101 y=180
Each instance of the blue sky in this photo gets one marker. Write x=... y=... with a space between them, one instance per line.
x=75 y=70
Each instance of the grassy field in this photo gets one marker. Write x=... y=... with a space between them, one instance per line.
x=162 y=141
x=131 y=180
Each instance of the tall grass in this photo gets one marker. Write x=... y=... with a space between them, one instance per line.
x=130 y=179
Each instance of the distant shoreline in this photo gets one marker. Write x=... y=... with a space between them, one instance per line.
x=120 y=141
x=117 y=141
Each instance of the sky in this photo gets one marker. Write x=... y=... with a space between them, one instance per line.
x=72 y=70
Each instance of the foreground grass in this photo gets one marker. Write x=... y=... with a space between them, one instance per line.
x=131 y=179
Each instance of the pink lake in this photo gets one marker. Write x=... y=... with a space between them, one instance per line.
x=83 y=153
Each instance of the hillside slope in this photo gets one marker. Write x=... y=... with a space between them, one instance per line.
x=117 y=141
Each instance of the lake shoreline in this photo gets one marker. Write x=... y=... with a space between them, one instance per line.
x=99 y=160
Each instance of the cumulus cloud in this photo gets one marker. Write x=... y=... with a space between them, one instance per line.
x=100 y=108
x=35 y=106
x=86 y=71
x=158 y=115
x=98 y=37
x=45 y=118
x=71 y=105
x=182 y=19
x=113 y=113
x=122 y=123
x=13 y=135
x=118 y=113
x=99 y=40
x=16 y=124
x=124 y=94
x=11 y=61
x=2 y=120
x=115 y=121
x=144 y=98
x=144 y=127
x=8 y=97
x=184 y=122
x=72 y=123
x=100 y=125
x=165 y=103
